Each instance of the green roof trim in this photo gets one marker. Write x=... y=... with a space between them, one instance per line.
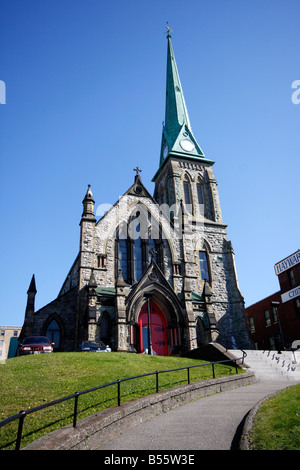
x=106 y=291
x=197 y=298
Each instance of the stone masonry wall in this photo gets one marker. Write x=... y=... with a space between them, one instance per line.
x=64 y=307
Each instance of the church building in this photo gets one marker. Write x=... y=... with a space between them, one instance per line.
x=155 y=273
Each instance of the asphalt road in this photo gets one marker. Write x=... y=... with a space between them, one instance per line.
x=209 y=423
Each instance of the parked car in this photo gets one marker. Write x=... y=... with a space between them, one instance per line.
x=35 y=345
x=95 y=346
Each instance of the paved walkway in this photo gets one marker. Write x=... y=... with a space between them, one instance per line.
x=210 y=423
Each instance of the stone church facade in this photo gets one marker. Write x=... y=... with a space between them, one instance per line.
x=155 y=273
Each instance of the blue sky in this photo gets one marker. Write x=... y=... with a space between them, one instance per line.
x=85 y=97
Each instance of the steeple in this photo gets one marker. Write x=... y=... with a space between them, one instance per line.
x=29 y=312
x=177 y=136
x=184 y=172
x=32 y=287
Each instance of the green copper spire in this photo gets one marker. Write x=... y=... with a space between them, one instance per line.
x=176 y=112
x=177 y=137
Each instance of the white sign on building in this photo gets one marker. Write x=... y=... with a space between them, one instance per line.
x=290 y=295
x=287 y=263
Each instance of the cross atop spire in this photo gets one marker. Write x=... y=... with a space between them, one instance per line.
x=169 y=30
x=138 y=170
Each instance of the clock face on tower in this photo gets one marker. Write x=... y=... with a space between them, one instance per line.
x=187 y=145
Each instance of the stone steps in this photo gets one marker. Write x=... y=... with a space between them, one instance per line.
x=270 y=365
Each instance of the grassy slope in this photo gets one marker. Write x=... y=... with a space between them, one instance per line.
x=30 y=381
x=277 y=423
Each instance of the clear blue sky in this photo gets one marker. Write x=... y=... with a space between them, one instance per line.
x=85 y=97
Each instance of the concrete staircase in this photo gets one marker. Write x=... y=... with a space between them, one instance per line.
x=270 y=365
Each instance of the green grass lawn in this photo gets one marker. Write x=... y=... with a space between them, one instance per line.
x=30 y=381
x=277 y=423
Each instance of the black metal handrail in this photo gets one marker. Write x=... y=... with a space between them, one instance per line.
x=228 y=340
x=23 y=413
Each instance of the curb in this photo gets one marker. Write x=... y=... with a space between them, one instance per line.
x=246 y=442
x=246 y=439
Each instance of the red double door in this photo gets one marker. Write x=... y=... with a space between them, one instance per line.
x=157 y=328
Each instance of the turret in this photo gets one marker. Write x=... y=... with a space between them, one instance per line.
x=88 y=205
x=29 y=312
x=87 y=229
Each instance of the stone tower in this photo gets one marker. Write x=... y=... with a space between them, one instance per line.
x=186 y=189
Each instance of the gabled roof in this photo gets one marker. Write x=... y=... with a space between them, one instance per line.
x=136 y=189
x=154 y=279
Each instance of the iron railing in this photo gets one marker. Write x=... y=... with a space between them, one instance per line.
x=23 y=413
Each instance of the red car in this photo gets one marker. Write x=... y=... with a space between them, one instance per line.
x=35 y=345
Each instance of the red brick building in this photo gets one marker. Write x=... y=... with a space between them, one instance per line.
x=274 y=322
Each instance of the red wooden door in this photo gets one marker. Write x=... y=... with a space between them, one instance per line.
x=158 y=329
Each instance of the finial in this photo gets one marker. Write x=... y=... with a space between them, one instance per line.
x=120 y=280
x=138 y=171
x=152 y=253
x=32 y=288
x=169 y=29
x=89 y=194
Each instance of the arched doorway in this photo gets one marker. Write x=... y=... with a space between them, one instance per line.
x=104 y=329
x=203 y=336
x=53 y=334
x=157 y=328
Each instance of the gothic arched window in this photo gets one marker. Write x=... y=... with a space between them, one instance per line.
x=204 y=266
x=187 y=195
x=132 y=251
x=200 y=195
x=138 y=259
x=123 y=258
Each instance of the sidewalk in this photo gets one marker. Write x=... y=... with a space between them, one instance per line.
x=210 y=423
